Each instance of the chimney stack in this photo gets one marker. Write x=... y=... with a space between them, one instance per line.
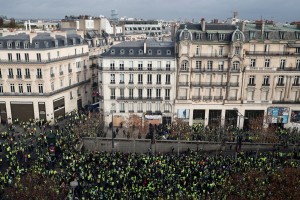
x=203 y=24
x=145 y=46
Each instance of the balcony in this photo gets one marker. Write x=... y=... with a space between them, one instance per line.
x=27 y=76
x=182 y=97
x=158 y=83
x=140 y=83
x=44 y=61
x=70 y=70
x=208 y=84
x=271 y=53
x=251 y=84
x=280 y=84
x=19 y=76
x=94 y=65
x=183 y=83
x=39 y=76
x=140 y=98
x=235 y=70
x=232 y=98
x=135 y=69
x=149 y=83
x=285 y=102
x=288 y=69
x=184 y=69
x=52 y=75
x=112 y=82
x=265 y=85
x=201 y=70
x=218 y=97
x=130 y=82
x=268 y=69
x=168 y=83
x=295 y=84
x=210 y=55
x=234 y=84
x=167 y=98
x=207 y=98
x=121 y=82
x=10 y=76
x=112 y=97
x=196 y=97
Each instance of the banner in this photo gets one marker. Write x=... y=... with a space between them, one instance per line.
x=278 y=115
x=295 y=116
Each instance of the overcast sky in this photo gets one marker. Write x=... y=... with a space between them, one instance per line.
x=277 y=10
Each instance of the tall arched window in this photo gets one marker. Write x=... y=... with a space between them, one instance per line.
x=184 y=65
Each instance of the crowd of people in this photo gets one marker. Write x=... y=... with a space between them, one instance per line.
x=106 y=175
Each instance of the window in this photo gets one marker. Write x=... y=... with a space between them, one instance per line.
x=51 y=72
x=149 y=51
x=158 y=79
x=298 y=50
x=297 y=35
x=298 y=64
x=26 y=45
x=141 y=52
x=266 y=35
x=266 y=81
x=140 y=107
x=52 y=86
x=140 y=78
x=158 y=52
x=41 y=88
x=168 y=52
x=112 y=51
x=158 y=65
x=238 y=36
x=221 y=36
x=221 y=65
x=157 y=107
x=158 y=93
x=237 y=51
x=38 y=57
x=130 y=107
x=149 y=93
x=149 y=65
x=251 y=80
x=112 y=78
x=19 y=73
x=198 y=36
x=131 y=52
x=280 y=80
x=61 y=83
x=282 y=64
x=9 y=45
x=296 y=80
x=130 y=93
x=39 y=73
x=140 y=65
x=149 y=107
x=130 y=78
x=71 y=95
x=266 y=47
x=149 y=78
x=167 y=107
x=267 y=63
x=112 y=65
x=112 y=93
x=221 y=51
x=9 y=57
x=130 y=65
x=198 y=64
x=121 y=78
x=281 y=35
x=140 y=93
x=167 y=94
x=28 y=88
x=209 y=64
x=121 y=65
x=0 y=74
x=122 y=92
x=252 y=35
x=10 y=73
x=253 y=63
x=18 y=55
x=185 y=65
x=168 y=79
x=197 y=51
x=70 y=81
x=122 y=107
x=210 y=36
x=1 y=88
x=12 y=87
x=168 y=66
x=78 y=78
x=26 y=57
x=235 y=65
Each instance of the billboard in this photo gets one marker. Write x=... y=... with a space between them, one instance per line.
x=183 y=113
x=295 y=116
x=278 y=115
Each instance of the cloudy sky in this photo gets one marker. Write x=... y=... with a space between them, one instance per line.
x=278 y=10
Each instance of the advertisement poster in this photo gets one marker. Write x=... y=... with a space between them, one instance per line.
x=183 y=113
x=278 y=115
x=295 y=116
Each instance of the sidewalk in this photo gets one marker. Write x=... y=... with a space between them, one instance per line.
x=121 y=135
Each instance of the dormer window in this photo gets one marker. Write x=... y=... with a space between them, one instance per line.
x=186 y=35
x=1 y=44
x=17 y=45
x=74 y=41
x=26 y=45
x=198 y=36
x=298 y=35
x=141 y=52
x=36 y=45
x=266 y=35
x=66 y=42
x=221 y=36
x=131 y=52
x=281 y=35
x=210 y=36
x=56 y=43
x=122 y=51
x=46 y=44
x=252 y=35
x=112 y=51
x=168 y=52
x=238 y=36
x=158 y=52
x=81 y=41
x=9 y=45
x=150 y=52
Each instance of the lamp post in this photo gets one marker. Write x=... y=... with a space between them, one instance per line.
x=112 y=127
x=73 y=184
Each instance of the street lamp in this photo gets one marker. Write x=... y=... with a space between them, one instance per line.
x=73 y=184
x=112 y=127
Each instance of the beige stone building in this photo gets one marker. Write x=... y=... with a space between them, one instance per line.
x=43 y=76
x=231 y=75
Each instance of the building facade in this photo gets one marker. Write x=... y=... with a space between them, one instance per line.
x=138 y=77
x=43 y=76
x=234 y=75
